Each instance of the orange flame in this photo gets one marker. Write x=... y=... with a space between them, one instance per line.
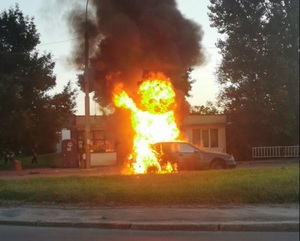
x=152 y=120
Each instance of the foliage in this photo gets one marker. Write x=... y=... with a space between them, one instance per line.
x=208 y=109
x=29 y=116
x=239 y=186
x=259 y=70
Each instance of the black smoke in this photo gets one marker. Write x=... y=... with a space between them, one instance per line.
x=130 y=38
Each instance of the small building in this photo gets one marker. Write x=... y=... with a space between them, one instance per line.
x=206 y=131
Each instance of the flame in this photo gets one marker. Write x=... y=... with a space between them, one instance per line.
x=153 y=120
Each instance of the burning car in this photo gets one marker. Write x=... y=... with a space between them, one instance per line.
x=153 y=120
x=186 y=156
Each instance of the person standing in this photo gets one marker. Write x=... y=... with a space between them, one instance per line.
x=5 y=157
x=34 y=157
x=11 y=157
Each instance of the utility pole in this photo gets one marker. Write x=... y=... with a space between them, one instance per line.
x=87 y=96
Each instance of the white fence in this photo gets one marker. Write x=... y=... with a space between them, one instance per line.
x=275 y=151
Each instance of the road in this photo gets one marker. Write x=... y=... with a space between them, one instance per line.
x=25 y=233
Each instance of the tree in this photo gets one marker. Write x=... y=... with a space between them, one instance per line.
x=208 y=109
x=28 y=115
x=259 y=71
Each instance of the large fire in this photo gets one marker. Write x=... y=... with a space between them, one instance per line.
x=152 y=119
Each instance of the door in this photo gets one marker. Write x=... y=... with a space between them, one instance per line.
x=187 y=156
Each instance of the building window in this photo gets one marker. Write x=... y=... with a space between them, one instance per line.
x=208 y=138
x=98 y=141
x=196 y=137
x=214 y=138
x=205 y=138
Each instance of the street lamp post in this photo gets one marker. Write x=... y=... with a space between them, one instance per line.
x=87 y=97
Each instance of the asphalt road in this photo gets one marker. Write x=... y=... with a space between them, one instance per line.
x=23 y=233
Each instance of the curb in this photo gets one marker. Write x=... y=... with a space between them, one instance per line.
x=150 y=226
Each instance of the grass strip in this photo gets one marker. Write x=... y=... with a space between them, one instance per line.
x=46 y=160
x=238 y=186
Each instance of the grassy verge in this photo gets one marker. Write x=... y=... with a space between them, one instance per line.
x=239 y=186
x=47 y=160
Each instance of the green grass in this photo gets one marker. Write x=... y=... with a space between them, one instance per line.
x=46 y=160
x=239 y=186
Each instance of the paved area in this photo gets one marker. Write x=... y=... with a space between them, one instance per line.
x=283 y=217
x=224 y=218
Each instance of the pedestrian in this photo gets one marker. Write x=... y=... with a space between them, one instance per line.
x=34 y=157
x=5 y=157
x=11 y=157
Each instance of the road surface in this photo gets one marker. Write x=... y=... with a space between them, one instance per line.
x=23 y=233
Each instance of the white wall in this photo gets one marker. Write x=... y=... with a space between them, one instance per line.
x=103 y=159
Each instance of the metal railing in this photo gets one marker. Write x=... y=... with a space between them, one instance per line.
x=275 y=151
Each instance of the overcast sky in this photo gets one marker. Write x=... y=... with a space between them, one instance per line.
x=55 y=38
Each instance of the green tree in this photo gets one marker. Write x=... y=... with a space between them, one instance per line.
x=208 y=109
x=259 y=71
x=28 y=115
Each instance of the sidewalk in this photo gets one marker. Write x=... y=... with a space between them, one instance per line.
x=204 y=218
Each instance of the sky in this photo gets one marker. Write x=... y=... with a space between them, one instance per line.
x=56 y=39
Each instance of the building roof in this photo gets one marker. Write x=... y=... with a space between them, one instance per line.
x=205 y=119
x=101 y=121
x=98 y=122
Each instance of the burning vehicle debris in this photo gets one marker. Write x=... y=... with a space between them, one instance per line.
x=141 y=55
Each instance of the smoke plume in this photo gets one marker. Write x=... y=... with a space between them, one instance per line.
x=129 y=38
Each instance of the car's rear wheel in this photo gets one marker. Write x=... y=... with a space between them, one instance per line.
x=218 y=164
